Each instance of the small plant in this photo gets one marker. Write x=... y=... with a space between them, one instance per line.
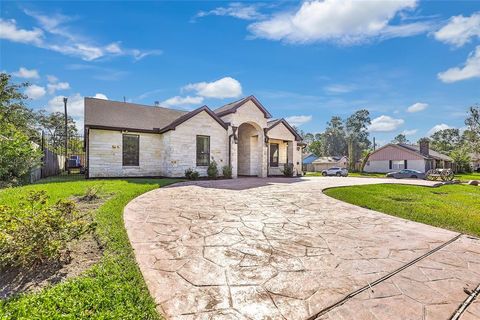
x=92 y=193
x=288 y=170
x=212 y=170
x=227 y=172
x=37 y=232
x=191 y=174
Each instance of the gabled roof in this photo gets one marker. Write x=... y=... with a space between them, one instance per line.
x=309 y=158
x=233 y=106
x=190 y=115
x=273 y=123
x=431 y=153
x=416 y=149
x=329 y=160
x=109 y=114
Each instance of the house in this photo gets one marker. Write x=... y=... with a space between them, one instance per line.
x=323 y=163
x=133 y=140
x=475 y=161
x=393 y=157
x=307 y=162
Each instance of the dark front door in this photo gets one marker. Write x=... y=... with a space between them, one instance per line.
x=274 y=155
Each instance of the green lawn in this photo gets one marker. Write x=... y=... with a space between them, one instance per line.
x=467 y=176
x=113 y=288
x=454 y=207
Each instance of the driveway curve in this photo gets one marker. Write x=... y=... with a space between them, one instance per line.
x=278 y=248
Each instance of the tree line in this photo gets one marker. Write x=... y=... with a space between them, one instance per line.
x=341 y=137
x=350 y=137
x=21 y=132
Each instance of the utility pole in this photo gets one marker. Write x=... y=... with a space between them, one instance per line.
x=65 y=99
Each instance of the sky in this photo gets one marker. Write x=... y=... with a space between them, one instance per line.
x=415 y=65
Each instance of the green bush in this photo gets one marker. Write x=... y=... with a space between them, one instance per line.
x=212 y=170
x=288 y=170
x=191 y=174
x=18 y=156
x=227 y=172
x=37 y=232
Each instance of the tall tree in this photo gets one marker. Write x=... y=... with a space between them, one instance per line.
x=54 y=126
x=18 y=155
x=356 y=128
x=13 y=109
x=473 y=124
x=400 y=138
x=446 y=140
x=334 y=138
x=317 y=146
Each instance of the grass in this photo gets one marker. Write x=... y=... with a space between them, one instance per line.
x=454 y=207
x=112 y=289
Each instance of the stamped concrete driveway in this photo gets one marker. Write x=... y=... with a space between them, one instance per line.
x=280 y=249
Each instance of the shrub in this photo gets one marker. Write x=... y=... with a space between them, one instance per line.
x=227 y=172
x=18 y=156
x=37 y=232
x=92 y=192
x=288 y=170
x=191 y=174
x=212 y=170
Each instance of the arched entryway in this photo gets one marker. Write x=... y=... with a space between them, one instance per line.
x=250 y=143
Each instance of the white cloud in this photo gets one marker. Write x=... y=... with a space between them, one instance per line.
x=53 y=87
x=100 y=96
x=459 y=30
x=417 y=107
x=385 y=124
x=10 y=31
x=346 y=22
x=52 y=79
x=223 y=88
x=35 y=92
x=182 y=101
x=410 y=132
x=471 y=69
x=236 y=9
x=26 y=73
x=56 y=36
x=438 y=127
x=298 y=120
x=339 y=88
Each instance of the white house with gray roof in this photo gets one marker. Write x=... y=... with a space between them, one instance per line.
x=132 y=140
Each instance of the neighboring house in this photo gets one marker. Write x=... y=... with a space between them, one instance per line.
x=323 y=163
x=307 y=162
x=127 y=139
x=393 y=157
x=475 y=161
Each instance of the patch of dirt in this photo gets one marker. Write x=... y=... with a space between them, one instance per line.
x=80 y=256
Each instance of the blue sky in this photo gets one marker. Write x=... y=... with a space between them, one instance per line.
x=414 y=65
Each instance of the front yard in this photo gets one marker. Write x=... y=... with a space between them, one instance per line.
x=454 y=207
x=111 y=289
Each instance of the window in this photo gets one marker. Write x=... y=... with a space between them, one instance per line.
x=274 y=155
x=398 y=165
x=203 y=151
x=131 y=149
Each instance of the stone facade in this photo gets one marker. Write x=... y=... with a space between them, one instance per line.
x=105 y=154
x=180 y=145
x=242 y=145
